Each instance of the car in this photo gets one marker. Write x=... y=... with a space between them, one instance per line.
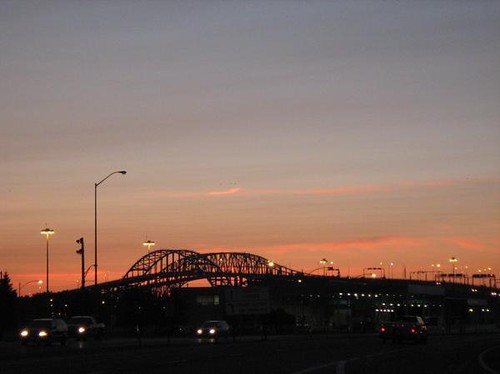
x=405 y=328
x=82 y=327
x=213 y=329
x=45 y=330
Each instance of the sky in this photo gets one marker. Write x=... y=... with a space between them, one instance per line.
x=363 y=132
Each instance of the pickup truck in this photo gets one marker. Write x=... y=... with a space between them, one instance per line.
x=82 y=327
x=406 y=328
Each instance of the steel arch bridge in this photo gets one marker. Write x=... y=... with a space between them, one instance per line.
x=166 y=268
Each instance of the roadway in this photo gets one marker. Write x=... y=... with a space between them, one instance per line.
x=315 y=354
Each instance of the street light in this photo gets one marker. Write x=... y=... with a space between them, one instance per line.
x=47 y=232
x=95 y=218
x=270 y=266
x=148 y=244
x=436 y=270
x=323 y=262
x=373 y=274
x=39 y=281
x=452 y=261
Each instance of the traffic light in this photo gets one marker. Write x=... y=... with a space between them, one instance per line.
x=81 y=252
x=82 y=248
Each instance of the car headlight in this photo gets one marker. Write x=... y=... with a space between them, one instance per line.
x=199 y=331
x=42 y=334
x=24 y=333
x=212 y=331
x=81 y=330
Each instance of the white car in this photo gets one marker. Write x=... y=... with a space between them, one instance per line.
x=213 y=329
x=45 y=330
x=82 y=327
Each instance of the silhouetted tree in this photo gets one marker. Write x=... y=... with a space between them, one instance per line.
x=8 y=298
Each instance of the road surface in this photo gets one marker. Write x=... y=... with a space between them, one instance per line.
x=315 y=354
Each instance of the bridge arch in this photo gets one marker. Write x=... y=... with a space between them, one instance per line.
x=175 y=268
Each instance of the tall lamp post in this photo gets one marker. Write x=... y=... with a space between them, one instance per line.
x=21 y=286
x=452 y=261
x=95 y=218
x=323 y=262
x=149 y=244
x=47 y=232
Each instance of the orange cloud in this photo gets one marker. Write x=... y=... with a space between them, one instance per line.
x=60 y=280
x=375 y=242
x=365 y=243
x=467 y=243
x=345 y=190
x=231 y=191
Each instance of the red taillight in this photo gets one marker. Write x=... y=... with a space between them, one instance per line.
x=382 y=329
x=413 y=331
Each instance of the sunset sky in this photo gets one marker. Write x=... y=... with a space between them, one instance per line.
x=363 y=132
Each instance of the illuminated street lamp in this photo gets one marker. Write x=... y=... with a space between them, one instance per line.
x=323 y=262
x=372 y=271
x=123 y=172
x=47 y=232
x=270 y=266
x=39 y=281
x=148 y=244
x=436 y=269
x=453 y=260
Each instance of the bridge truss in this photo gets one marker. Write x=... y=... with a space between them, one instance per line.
x=166 y=268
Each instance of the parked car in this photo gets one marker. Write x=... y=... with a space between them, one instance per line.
x=406 y=328
x=82 y=327
x=45 y=330
x=213 y=329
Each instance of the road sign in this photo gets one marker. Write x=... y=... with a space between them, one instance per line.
x=247 y=301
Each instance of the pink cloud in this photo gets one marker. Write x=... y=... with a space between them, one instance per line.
x=231 y=191
x=364 y=243
x=467 y=244
x=346 y=190
x=376 y=242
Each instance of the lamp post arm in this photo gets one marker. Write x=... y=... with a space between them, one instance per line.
x=95 y=218
x=312 y=271
x=110 y=174
x=21 y=286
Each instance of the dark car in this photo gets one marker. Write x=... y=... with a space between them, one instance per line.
x=406 y=328
x=45 y=330
x=213 y=329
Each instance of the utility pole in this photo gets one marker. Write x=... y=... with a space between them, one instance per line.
x=81 y=252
